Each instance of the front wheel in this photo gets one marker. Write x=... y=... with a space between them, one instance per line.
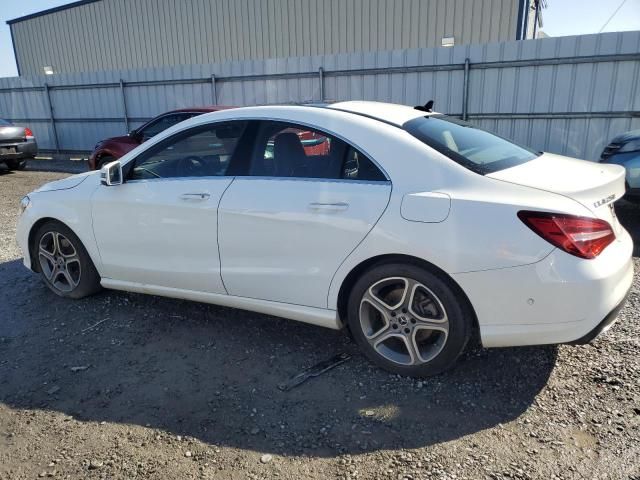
x=64 y=263
x=407 y=320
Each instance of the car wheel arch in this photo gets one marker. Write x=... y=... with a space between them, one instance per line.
x=350 y=279
x=32 y=239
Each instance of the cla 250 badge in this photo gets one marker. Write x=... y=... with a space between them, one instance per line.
x=604 y=200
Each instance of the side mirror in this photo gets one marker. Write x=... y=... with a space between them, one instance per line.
x=111 y=174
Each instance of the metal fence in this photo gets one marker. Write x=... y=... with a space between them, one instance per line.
x=565 y=95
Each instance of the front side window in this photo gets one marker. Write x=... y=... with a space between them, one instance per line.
x=162 y=124
x=288 y=150
x=472 y=147
x=203 y=151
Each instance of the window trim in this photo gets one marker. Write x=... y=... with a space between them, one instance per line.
x=323 y=131
x=160 y=145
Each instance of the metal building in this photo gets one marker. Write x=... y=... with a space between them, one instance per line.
x=98 y=35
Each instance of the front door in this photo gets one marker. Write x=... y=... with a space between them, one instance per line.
x=160 y=226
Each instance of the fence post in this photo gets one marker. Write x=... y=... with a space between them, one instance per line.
x=465 y=90
x=214 y=93
x=125 y=115
x=321 y=80
x=51 y=118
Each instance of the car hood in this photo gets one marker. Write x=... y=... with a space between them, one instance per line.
x=65 y=183
x=625 y=137
x=594 y=185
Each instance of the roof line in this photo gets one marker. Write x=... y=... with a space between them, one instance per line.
x=361 y=114
x=51 y=10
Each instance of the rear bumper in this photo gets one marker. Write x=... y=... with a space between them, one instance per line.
x=603 y=326
x=561 y=299
x=28 y=149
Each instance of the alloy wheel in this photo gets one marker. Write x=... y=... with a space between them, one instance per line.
x=59 y=261
x=404 y=321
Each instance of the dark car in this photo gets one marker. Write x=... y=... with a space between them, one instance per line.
x=17 y=145
x=112 y=149
x=625 y=150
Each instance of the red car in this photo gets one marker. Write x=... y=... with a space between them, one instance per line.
x=111 y=149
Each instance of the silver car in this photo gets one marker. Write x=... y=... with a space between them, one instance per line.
x=625 y=150
x=17 y=145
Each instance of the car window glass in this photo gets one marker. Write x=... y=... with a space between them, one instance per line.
x=4 y=123
x=162 y=124
x=358 y=167
x=200 y=152
x=468 y=145
x=287 y=150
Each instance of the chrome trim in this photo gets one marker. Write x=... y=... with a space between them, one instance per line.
x=177 y=179
x=311 y=179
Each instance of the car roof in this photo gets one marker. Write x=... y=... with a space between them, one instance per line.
x=385 y=112
x=205 y=109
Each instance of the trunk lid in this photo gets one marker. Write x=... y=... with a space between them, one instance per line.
x=11 y=133
x=595 y=185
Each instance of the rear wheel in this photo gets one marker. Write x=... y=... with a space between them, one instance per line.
x=16 y=164
x=408 y=320
x=64 y=263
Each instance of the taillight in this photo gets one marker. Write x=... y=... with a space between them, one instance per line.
x=28 y=132
x=583 y=237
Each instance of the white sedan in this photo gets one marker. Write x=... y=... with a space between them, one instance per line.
x=415 y=230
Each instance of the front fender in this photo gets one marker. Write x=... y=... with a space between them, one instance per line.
x=71 y=207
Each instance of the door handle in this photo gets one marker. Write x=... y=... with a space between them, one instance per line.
x=194 y=196
x=330 y=207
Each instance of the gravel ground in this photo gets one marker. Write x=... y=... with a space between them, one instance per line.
x=131 y=386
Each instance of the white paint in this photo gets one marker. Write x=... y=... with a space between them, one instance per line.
x=281 y=257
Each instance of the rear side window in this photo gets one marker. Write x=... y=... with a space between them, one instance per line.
x=470 y=146
x=288 y=150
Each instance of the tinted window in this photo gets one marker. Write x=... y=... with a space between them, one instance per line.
x=4 y=123
x=472 y=147
x=200 y=152
x=286 y=150
x=162 y=124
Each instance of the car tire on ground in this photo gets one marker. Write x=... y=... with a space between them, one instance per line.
x=408 y=320
x=16 y=164
x=63 y=262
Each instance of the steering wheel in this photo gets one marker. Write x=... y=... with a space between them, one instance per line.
x=190 y=166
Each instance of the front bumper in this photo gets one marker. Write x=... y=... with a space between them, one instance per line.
x=18 y=150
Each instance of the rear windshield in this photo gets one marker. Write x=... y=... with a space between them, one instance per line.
x=470 y=146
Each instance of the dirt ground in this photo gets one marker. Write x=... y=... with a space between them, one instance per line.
x=131 y=386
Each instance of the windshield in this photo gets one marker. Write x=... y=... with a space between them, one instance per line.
x=470 y=146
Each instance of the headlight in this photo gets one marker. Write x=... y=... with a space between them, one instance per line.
x=631 y=146
x=24 y=203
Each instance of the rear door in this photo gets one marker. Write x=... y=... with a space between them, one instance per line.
x=305 y=202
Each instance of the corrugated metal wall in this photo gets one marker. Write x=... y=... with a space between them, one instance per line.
x=566 y=95
x=120 y=34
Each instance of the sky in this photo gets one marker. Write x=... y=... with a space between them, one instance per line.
x=563 y=17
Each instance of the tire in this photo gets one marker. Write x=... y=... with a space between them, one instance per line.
x=420 y=333
x=16 y=164
x=103 y=161
x=63 y=262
